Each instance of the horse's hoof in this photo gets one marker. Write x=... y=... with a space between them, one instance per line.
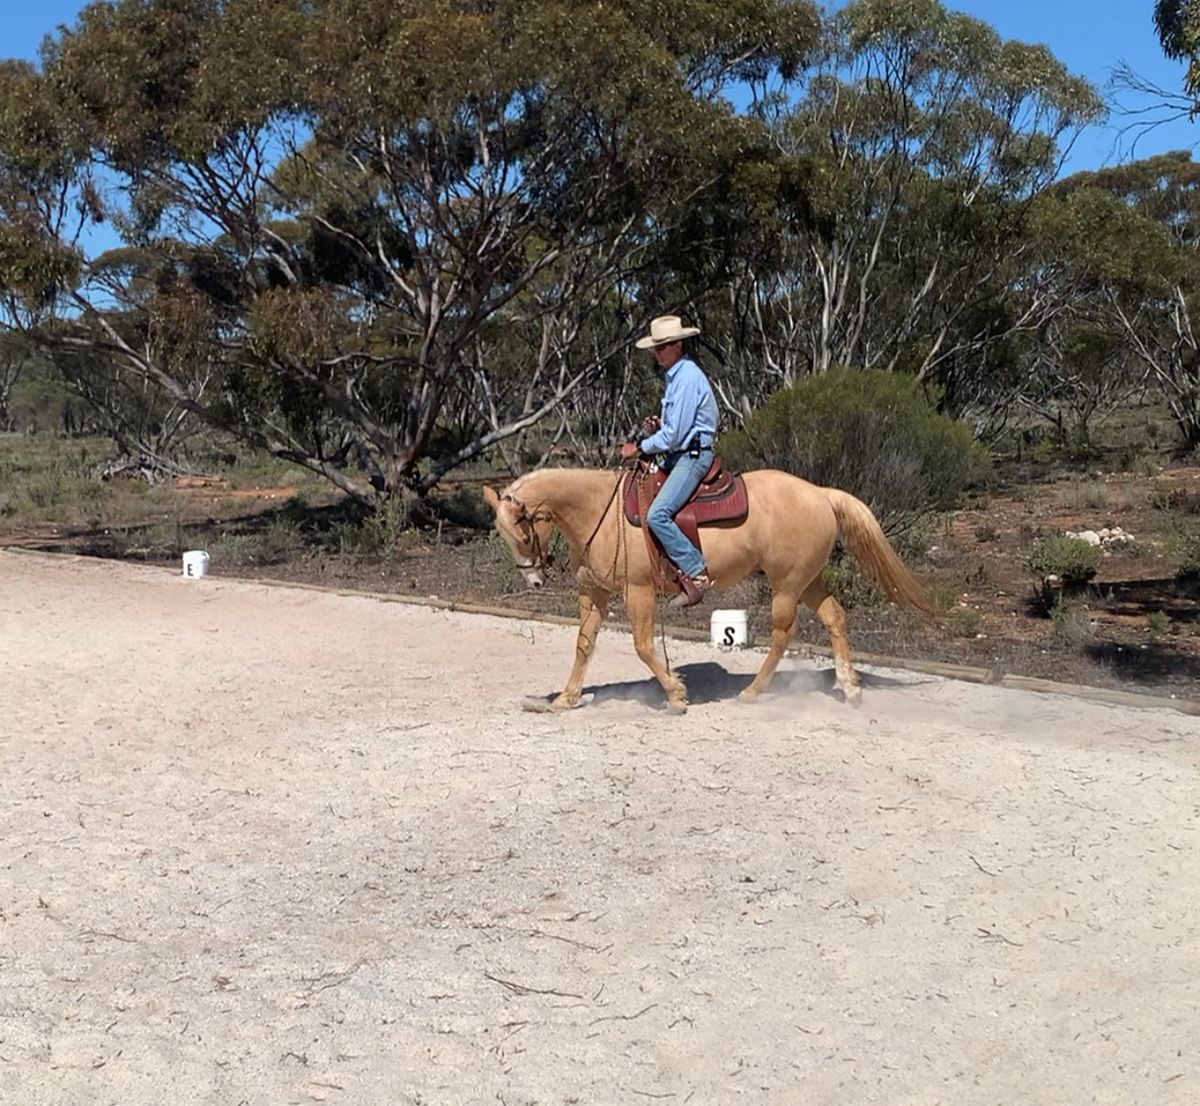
x=853 y=696
x=677 y=706
x=535 y=704
x=748 y=695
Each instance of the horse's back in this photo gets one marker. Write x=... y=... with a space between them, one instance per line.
x=774 y=485
x=790 y=521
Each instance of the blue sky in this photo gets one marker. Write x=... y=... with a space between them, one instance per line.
x=1090 y=36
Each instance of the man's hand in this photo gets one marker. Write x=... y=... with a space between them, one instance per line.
x=651 y=424
x=629 y=451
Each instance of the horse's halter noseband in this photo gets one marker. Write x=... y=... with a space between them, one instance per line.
x=542 y=558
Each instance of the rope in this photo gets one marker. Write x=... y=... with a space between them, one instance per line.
x=587 y=545
x=621 y=553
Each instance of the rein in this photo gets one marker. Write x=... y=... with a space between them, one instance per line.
x=604 y=513
x=543 y=558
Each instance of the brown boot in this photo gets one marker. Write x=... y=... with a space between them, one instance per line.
x=693 y=591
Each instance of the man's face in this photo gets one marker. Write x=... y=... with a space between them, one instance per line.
x=667 y=354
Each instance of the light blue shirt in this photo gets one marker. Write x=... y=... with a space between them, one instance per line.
x=689 y=407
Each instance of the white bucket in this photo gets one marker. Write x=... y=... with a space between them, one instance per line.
x=728 y=628
x=195 y=563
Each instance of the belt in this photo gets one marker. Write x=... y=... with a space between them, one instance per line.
x=695 y=446
x=697 y=442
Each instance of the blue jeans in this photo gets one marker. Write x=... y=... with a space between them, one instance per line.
x=683 y=478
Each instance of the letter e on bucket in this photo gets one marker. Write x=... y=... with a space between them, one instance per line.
x=195 y=564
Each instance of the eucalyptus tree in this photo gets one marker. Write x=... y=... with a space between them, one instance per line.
x=908 y=167
x=1178 y=25
x=375 y=238
x=1136 y=236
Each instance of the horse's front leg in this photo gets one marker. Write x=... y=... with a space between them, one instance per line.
x=639 y=605
x=592 y=604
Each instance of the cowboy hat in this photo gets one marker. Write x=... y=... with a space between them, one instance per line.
x=664 y=329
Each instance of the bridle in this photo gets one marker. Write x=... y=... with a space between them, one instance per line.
x=542 y=558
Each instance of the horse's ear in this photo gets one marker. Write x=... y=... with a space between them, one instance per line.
x=490 y=497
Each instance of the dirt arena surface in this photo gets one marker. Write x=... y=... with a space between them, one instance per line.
x=262 y=845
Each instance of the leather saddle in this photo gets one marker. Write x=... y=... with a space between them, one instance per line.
x=721 y=497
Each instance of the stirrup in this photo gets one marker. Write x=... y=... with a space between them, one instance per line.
x=693 y=591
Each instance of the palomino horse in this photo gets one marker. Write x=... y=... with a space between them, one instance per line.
x=788 y=534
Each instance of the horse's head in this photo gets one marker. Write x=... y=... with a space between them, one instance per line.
x=527 y=533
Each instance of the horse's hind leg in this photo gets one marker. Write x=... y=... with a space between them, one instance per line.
x=592 y=605
x=639 y=606
x=783 y=626
x=833 y=617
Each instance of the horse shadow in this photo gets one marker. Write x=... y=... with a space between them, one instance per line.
x=710 y=682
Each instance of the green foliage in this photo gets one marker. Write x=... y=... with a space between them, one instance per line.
x=1087 y=494
x=1167 y=495
x=280 y=540
x=381 y=533
x=1072 y=622
x=870 y=433
x=850 y=587
x=963 y=622
x=1072 y=560
x=1178 y=25
x=1157 y=624
x=1144 y=464
x=1130 y=238
x=51 y=480
x=351 y=227
x=464 y=506
x=379 y=238
x=1187 y=575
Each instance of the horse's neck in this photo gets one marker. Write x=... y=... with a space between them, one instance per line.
x=577 y=498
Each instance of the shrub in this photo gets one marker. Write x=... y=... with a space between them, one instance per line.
x=280 y=540
x=1157 y=624
x=1072 y=560
x=1145 y=464
x=463 y=506
x=943 y=596
x=381 y=532
x=977 y=578
x=1089 y=494
x=871 y=433
x=964 y=622
x=1072 y=623
x=1187 y=576
x=850 y=587
x=1166 y=496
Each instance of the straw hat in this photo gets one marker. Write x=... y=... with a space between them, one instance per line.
x=664 y=329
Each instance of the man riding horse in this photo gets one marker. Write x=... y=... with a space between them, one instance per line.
x=683 y=434
x=786 y=530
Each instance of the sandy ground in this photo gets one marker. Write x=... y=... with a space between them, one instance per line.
x=263 y=845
